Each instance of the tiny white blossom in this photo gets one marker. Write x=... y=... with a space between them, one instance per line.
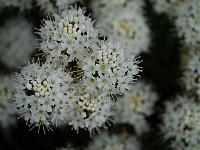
x=91 y=110
x=21 y=4
x=187 y=22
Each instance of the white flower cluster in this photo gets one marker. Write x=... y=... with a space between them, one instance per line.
x=17 y=42
x=7 y=108
x=104 y=141
x=43 y=94
x=135 y=105
x=186 y=15
x=188 y=22
x=192 y=73
x=125 y=22
x=181 y=123
x=81 y=75
x=22 y=4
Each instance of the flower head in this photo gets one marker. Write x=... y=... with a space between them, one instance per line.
x=67 y=34
x=42 y=94
x=187 y=22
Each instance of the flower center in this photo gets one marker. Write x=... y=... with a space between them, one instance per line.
x=72 y=26
x=38 y=87
x=87 y=103
x=124 y=27
x=135 y=101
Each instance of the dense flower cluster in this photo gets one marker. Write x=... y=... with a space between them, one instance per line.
x=181 y=123
x=80 y=77
x=135 y=105
x=18 y=45
x=7 y=108
x=104 y=141
x=126 y=23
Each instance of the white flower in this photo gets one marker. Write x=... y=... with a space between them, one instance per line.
x=7 y=108
x=17 y=42
x=188 y=22
x=110 y=69
x=181 y=123
x=104 y=141
x=127 y=24
x=67 y=34
x=91 y=110
x=41 y=94
x=135 y=105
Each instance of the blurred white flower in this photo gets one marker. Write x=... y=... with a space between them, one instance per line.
x=104 y=141
x=191 y=76
x=126 y=24
x=80 y=77
x=167 y=6
x=135 y=105
x=181 y=123
x=91 y=111
x=16 y=42
x=7 y=108
x=110 y=69
x=188 y=22
x=67 y=35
